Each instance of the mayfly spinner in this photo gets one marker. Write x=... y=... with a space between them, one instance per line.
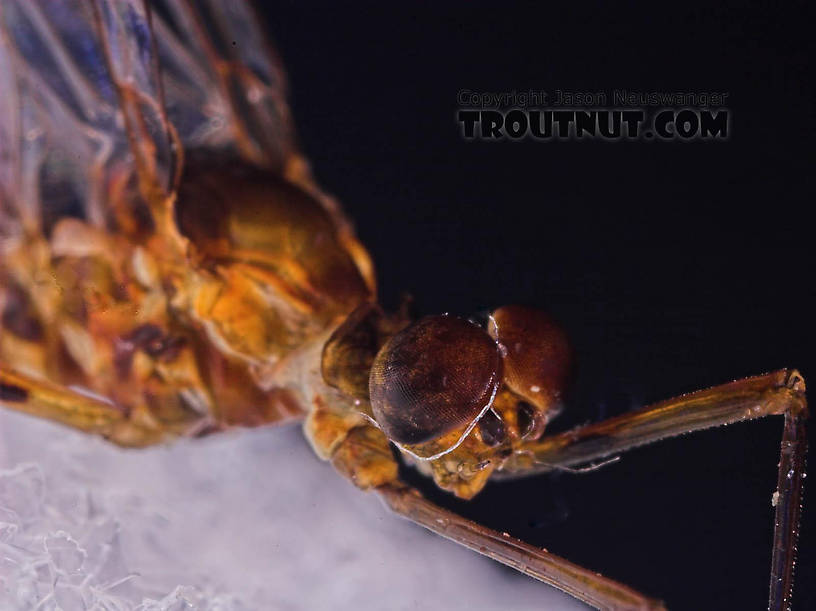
x=169 y=267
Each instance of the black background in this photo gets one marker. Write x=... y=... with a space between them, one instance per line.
x=674 y=266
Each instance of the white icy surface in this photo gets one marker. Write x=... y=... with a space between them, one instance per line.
x=239 y=521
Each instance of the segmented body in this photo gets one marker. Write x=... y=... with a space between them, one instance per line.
x=198 y=293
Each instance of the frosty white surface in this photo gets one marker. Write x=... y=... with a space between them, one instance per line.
x=239 y=521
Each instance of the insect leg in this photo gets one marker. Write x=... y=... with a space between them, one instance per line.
x=585 y=585
x=76 y=409
x=778 y=393
x=362 y=454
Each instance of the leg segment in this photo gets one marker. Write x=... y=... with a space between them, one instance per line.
x=87 y=413
x=788 y=501
x=778 y=393
x=362 y=453
x=585 y=585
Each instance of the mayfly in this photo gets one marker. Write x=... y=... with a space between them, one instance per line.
x=170 y=268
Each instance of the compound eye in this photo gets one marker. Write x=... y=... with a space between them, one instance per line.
x=433 y=378
x=536 y=352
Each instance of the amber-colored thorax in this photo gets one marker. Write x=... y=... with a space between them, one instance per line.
x=187 y=309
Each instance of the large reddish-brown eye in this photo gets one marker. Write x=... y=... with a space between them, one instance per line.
x=436 y=376
x=536 y=352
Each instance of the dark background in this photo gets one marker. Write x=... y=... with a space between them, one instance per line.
x=673 y=266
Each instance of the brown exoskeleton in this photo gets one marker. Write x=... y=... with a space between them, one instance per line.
x=145 y=296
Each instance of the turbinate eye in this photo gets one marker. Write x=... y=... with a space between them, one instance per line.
x=436 y=376
x=537 y=355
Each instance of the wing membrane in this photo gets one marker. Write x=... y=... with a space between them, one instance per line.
x=216 y=51
x=97 y=94
x=125 y=32
x=68 y=70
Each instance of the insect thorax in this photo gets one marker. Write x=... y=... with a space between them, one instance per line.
x=193 y=321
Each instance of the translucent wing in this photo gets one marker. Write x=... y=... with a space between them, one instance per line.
x=100 y=94
x=224 y=85
x=82 y=111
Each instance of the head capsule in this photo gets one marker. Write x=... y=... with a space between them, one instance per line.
x=461 y=397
